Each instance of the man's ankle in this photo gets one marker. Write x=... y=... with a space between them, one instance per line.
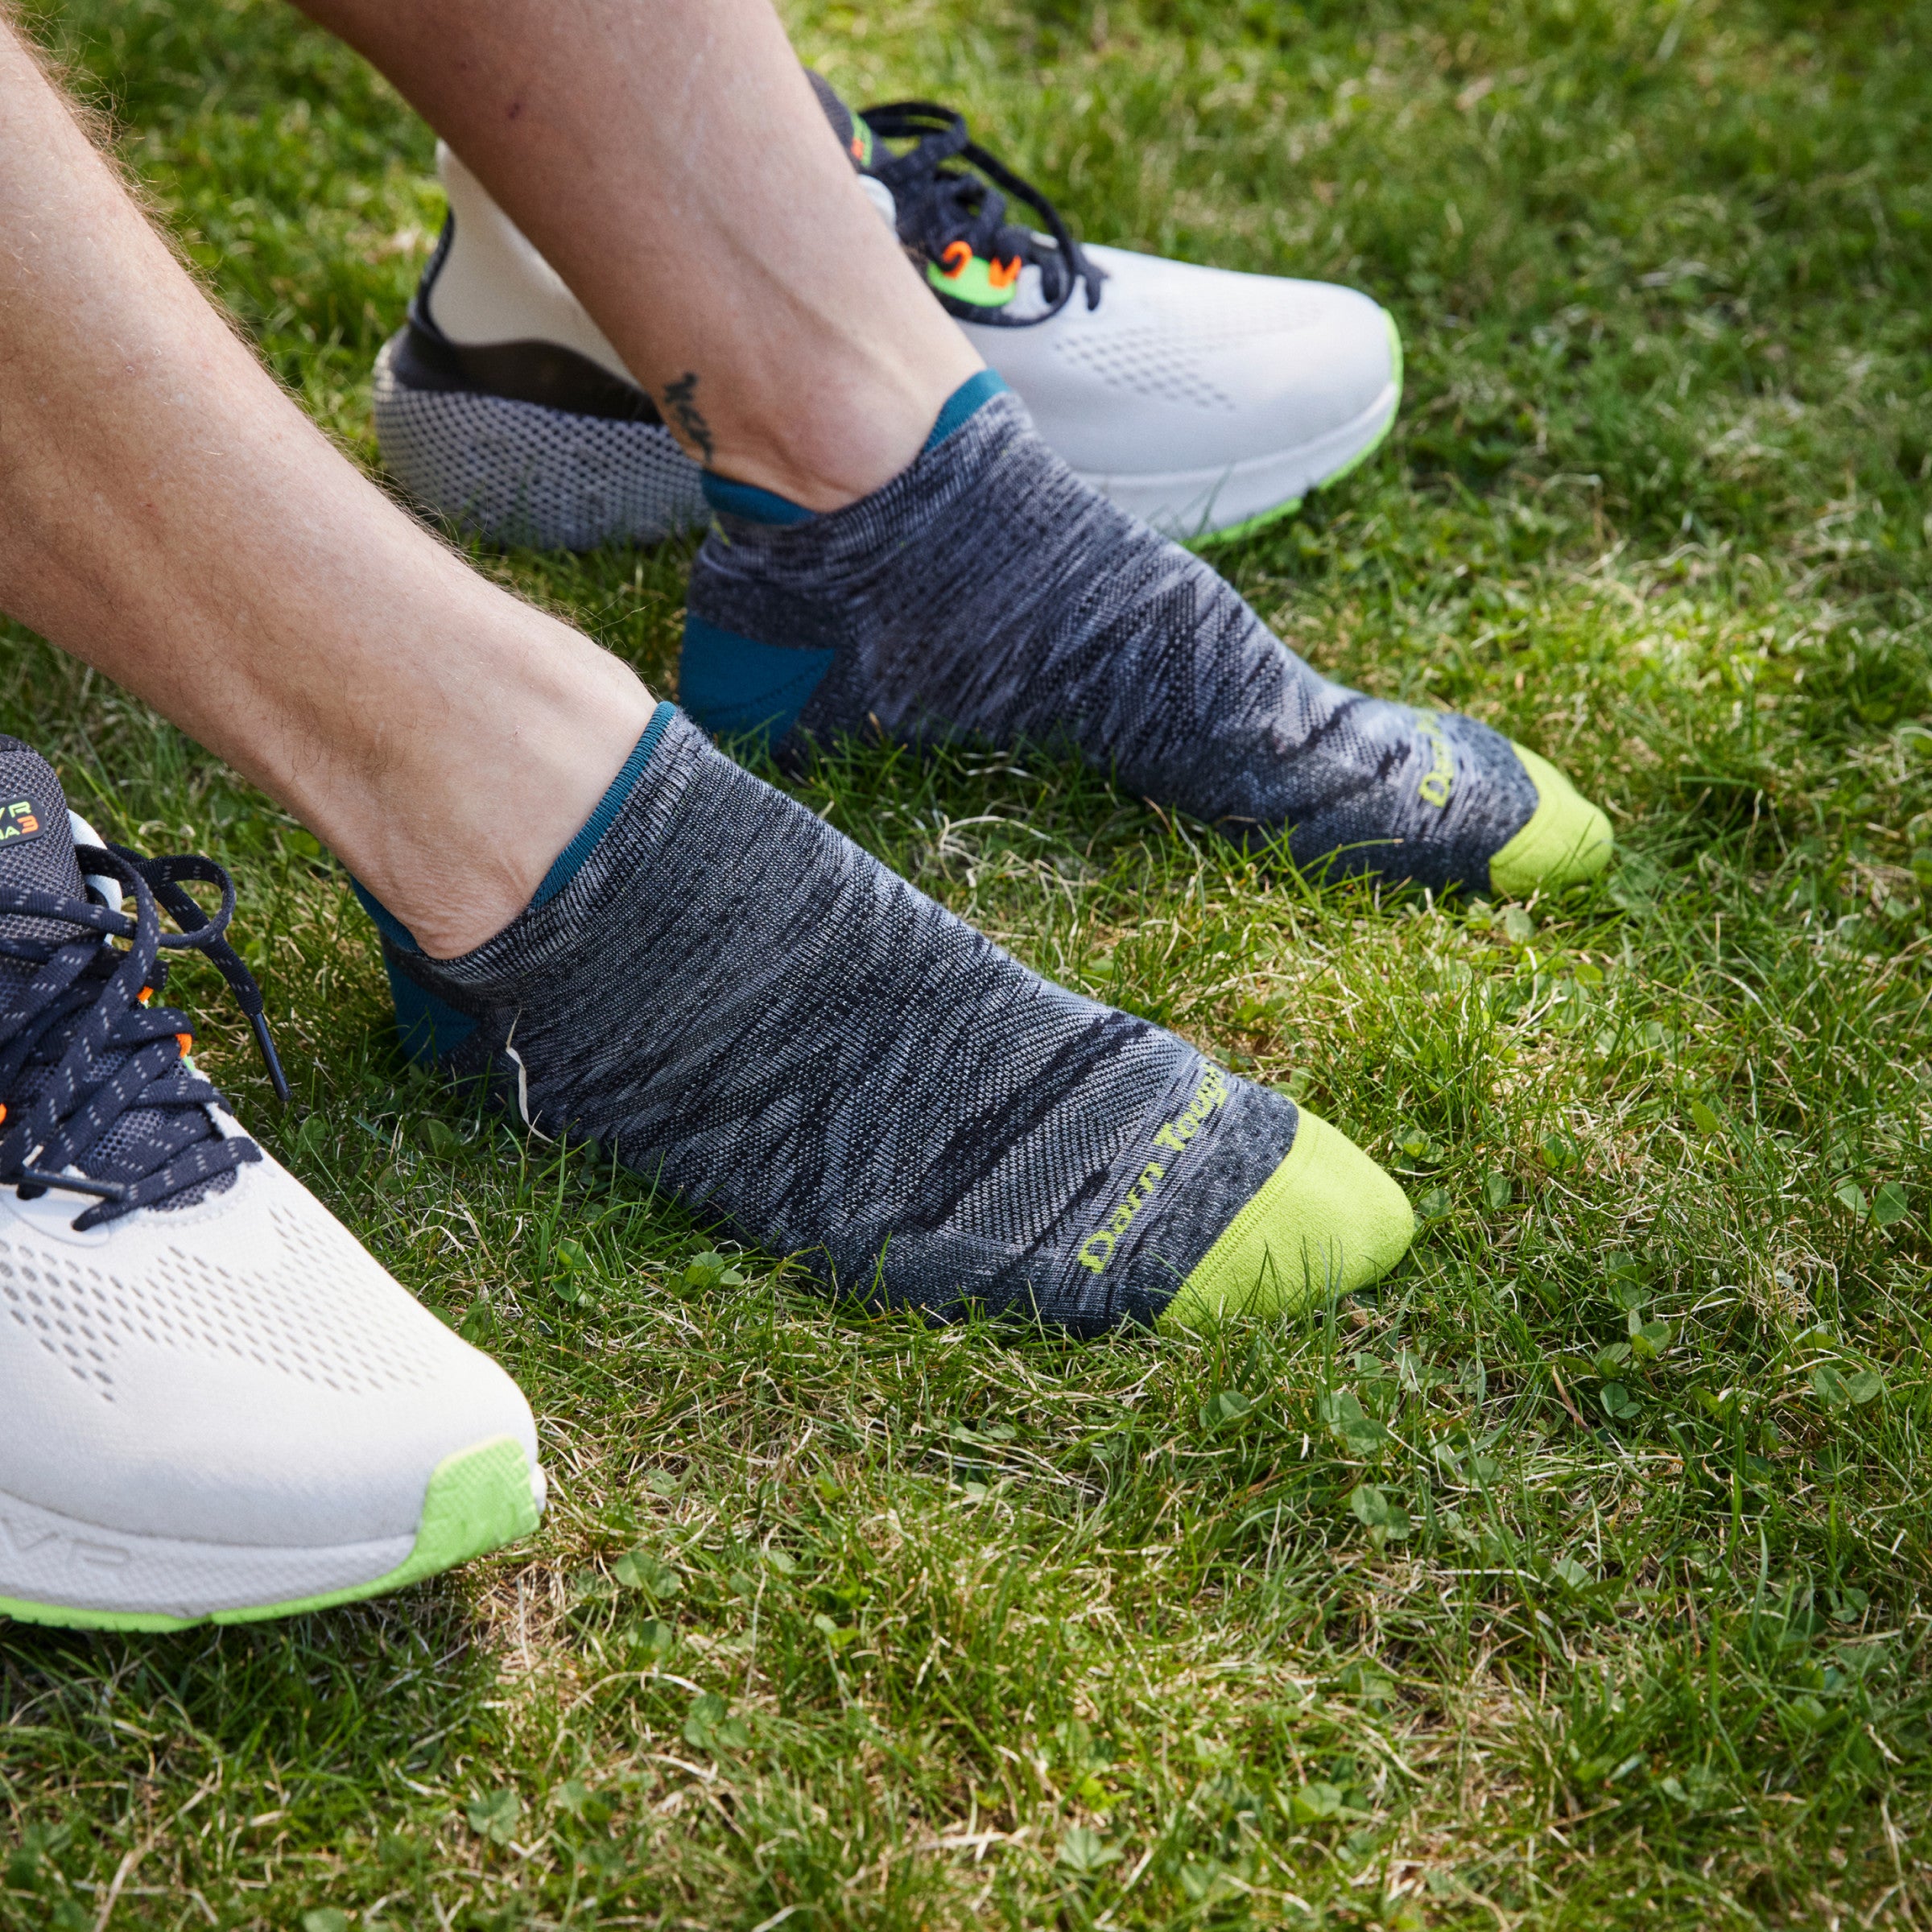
x=851 y=437
x=455 y=859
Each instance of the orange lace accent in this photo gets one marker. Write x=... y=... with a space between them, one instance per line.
x=953 y=269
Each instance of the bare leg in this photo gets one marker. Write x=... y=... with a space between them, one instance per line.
x=167 y=514
x=668 y=159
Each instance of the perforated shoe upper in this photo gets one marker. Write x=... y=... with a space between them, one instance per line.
x=1196 y=396
x=1181 y=367
x=241 y=1371
x=191 y=1345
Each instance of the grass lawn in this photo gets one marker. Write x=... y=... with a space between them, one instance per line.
x=1577 y=1576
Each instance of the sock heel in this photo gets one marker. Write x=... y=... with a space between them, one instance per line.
x=428 y=1028
x=734 y=687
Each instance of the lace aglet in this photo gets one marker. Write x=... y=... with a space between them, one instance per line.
x=70 y=1183
x=272 y=1060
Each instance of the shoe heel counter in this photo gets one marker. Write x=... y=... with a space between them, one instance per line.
x=420 y=309
x=735 y=686
x=492 y=285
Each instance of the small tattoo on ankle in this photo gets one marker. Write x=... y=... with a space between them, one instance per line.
x=680 y=398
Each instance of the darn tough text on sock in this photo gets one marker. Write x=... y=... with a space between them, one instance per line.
x=1173 y=1135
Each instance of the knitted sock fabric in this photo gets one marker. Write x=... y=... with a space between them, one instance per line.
x=987 y=593
x=741 y=1005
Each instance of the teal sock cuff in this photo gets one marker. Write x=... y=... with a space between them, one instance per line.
x=746 y=499
x=581 y=847
x=565 y=867
x=757 y=505
x=964 y=404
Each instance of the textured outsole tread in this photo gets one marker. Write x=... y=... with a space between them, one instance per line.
x=478 y=1499
x=517 y=472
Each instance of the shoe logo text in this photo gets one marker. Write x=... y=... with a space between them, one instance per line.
x=1098 y=1248
x=20 y=819
x=1439 y=780
x=21 y=1540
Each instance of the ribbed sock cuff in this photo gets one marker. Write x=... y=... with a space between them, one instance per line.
x=570 y=859
x=964 y=404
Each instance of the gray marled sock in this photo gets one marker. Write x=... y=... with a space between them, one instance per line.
x=742 y=1005
x=987 y=592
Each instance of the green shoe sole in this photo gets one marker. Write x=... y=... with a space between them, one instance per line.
x=1326 y=1222
x=1566 y=840
x=478 y=1500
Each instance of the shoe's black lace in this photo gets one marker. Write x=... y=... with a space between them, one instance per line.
x=79 y=1050
x=939 y=205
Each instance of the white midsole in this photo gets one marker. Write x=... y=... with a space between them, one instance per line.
x=46 y=1558
x=1191 y=503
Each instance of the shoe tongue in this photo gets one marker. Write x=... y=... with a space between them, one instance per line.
x=37 y=855
x=861 y=146
x=854 y=136
x=36 y=844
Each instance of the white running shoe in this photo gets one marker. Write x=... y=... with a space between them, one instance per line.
x=213 y=1403
x=1203 y=401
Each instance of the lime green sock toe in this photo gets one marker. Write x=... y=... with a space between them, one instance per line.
x=1568 y=838
x=1328 y=1221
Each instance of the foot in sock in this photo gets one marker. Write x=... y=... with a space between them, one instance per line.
x=213 y=1404
x=742 y=1006
x=986 y=592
